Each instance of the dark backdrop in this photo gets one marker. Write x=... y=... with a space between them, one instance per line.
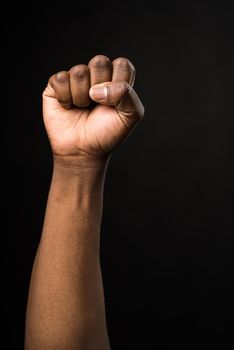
x=167 y=234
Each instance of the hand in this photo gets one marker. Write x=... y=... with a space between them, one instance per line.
x=90 y=110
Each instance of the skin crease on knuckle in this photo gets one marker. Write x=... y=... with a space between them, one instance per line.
x=81 y=72
x=99 y=62
x=79 y=85
x=61 y=77
x=123 y=69
x=60 y=84
x=123 y=63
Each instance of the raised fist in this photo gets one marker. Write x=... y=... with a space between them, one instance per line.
x=91 y=109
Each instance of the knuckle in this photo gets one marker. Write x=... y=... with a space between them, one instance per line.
x=99 y=61
x=80 y=71
x=123 y=64
x=61 y=77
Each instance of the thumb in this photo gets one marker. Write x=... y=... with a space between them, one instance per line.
x=122 y=96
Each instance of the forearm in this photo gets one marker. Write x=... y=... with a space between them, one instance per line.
x=66 y=303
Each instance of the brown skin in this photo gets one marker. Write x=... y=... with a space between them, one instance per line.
x=88 y=112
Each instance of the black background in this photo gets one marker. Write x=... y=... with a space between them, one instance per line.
x=167 y=233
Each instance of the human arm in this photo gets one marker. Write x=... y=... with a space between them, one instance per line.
x=66 y=308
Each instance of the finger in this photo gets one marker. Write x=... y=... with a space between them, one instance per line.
x=122 y=96
x=123 y=69
x=61 y=86
x=100 y=69
x=80 y=85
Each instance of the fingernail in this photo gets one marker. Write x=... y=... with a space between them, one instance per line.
x=98 y=93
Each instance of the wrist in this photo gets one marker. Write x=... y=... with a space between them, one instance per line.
x=77 y=165
x=79 y=177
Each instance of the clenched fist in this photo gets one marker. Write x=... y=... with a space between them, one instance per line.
x=91 y=109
